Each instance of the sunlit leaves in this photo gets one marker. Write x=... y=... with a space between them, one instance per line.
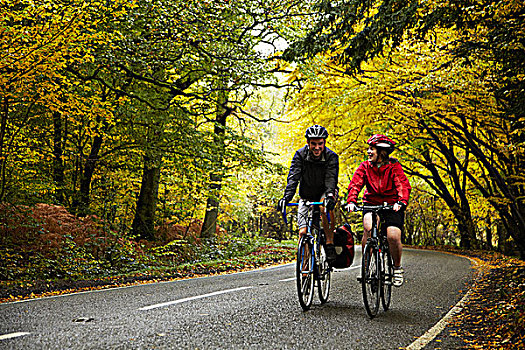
x=435 y=105
x=39 y=39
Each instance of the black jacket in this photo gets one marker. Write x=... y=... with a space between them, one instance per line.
x=314 y=177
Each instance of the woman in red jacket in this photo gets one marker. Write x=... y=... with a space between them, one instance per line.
x=384 y=181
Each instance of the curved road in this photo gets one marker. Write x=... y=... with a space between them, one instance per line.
x=253 y=310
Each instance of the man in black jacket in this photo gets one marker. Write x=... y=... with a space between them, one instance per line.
x=315 y=168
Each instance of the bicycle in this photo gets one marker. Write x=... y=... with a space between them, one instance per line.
x=312 y=267
x=377 y=266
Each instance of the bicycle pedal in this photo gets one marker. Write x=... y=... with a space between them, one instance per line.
x=359 y=279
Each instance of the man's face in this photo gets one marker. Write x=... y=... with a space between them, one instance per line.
x=372 y=154
x=316 y=147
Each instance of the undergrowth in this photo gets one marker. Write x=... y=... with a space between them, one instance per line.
x=45 y=249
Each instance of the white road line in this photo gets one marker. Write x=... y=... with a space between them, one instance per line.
x=349 y=268
x=288 y=279
x=13 y=335
x=183 y=300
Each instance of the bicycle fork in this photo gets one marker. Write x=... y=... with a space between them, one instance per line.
x=386 y=276
x=308 y=254
x=315 y=259
x=377 y=259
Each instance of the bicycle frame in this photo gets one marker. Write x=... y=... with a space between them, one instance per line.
x=314 y=233
x=375 y=209
x=377 y=261
x=317 y=272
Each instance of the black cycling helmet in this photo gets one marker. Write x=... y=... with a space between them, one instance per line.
x=316 y=132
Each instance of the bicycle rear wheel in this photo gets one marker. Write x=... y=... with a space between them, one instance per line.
x=304 y=274
x=324 y=276
x=387 y=278
x=370 y=281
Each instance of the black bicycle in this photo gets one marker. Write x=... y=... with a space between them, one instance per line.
x=377 y=267
x=312 y=268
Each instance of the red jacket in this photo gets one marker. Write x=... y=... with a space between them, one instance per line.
x=387 y=183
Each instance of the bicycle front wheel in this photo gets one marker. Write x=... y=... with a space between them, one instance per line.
x=324 y=276
x=387 y=278
x=304 y=274
x=370 y=281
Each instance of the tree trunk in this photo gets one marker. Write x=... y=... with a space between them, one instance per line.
x=58 y=163
x=519 y=235
x=144 y=221
x=460 y=210
x=501 y=232
x=83 y=197
x=508 y=182
x=515 y=228
x=466 y=228
x=488 y=233
x=3 y=127
x=209 y=224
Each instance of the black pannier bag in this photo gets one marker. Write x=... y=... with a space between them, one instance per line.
x=344 y=247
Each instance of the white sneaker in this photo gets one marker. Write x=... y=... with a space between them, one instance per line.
x=398 y=277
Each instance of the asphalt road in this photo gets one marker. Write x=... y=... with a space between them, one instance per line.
x=253 y=310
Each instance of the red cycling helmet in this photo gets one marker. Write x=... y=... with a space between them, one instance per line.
x=381 y=141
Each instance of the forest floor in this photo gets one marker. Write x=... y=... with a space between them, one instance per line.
x=493 y=316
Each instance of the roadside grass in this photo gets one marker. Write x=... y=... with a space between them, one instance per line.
x=225 y=255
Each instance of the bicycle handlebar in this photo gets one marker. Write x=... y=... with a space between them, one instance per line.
x=374 y=207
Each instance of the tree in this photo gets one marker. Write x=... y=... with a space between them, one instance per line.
x=39 y=40
x=200 y=58
x=486 y=38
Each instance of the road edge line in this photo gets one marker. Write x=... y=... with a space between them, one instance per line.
x=435 y=330
x=110 y=288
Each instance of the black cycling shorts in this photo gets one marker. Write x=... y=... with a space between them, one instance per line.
x=391 y=218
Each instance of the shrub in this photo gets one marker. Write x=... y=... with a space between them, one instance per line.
x=46 y=241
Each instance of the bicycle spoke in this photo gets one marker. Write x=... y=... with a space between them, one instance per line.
x=305 y=280
x=370 y=280
x=324 y=276
x=388 y=272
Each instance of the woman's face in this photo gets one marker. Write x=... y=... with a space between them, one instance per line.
x=372 y=154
